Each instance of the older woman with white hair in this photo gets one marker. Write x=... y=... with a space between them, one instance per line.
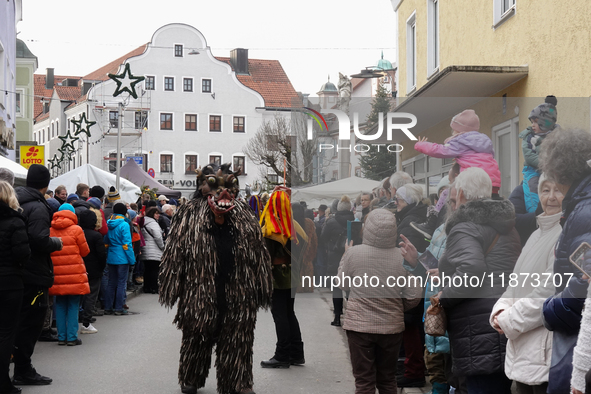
x=397 y=180
x=481 y=243
x=518 y=313
x=564 y=158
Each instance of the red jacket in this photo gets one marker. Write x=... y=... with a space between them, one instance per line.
x=70 y=276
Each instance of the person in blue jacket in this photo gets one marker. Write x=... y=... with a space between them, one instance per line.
x=565 y=158
x=119 y=257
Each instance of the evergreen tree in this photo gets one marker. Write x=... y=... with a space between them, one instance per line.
x=376 y=164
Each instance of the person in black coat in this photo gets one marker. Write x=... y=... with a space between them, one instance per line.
x=37 y=274
x=332 y=239
x=525 y=222
x=481 y=242
x=410 y=208
x=95 y=263
x=14 y=246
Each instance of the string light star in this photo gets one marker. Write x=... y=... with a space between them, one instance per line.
x=67 y=147
x=125 y=82
x=55 y=162
x=82 y=121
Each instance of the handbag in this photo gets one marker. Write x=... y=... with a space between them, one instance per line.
x=435 y=317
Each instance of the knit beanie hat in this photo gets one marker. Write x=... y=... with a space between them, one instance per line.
x=95 y=202
x=38 y=176
x=344 y=204
x=97 y=191
x=546 y=114
x=444 y=182
x=120 y=208
x=72 y=197
x=334 y=206
x=67 y=207
x=404 y=194
x=132 y=214
x=113 y=195
x=465 y=121
x=53 y=204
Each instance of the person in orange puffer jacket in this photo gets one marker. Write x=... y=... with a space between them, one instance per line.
x=70 y=278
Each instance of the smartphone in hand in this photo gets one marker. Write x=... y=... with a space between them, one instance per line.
x=428 y=260
x=578 y=257
x=354 y=232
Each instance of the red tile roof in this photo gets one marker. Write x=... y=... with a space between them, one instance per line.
x=113 y=67
x=64 y=92
x=268 y=78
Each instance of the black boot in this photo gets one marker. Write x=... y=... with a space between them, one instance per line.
x=428 y=228
x=337 y=321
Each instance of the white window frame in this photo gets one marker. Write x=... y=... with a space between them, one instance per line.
x=168 y=153
x=150 y=76
x=174 y=50
x=20 y=113
x=432 y=37
x=239 y=116
x=221 y=123
x=500 y=17
x=215 y=154
x=201 y=85
x=160 y=121
x=411 y=53
x=189 y=153
x=164 y=83
x=513 y=128
x=244 y=172
x=192 y=85
x=196 y=122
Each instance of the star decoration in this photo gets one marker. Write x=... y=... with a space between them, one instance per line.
x=67 y=146
x=127 y=80
x=55 y=162
x=83 y=121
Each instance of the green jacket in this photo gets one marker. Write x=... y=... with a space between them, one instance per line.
x=530 y=157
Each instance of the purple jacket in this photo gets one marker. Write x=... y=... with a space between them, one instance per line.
x=471 y=149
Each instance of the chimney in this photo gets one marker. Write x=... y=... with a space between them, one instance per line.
x=239 y=60
x=49 y=78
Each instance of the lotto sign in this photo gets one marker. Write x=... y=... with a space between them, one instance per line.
x=32 y=155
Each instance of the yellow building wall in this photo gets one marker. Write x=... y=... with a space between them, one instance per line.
x=552 y=38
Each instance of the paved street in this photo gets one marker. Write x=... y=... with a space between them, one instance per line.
x=139 y=354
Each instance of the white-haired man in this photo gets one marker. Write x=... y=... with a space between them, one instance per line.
x=481 y=243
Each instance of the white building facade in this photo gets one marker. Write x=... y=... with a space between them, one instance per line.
x=191 y=109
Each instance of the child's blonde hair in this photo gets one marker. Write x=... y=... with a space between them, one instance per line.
x=8 y=196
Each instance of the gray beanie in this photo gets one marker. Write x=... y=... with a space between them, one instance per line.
x=344 y=204
x=334 y=206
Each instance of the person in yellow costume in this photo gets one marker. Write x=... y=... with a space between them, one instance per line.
x=283 y=228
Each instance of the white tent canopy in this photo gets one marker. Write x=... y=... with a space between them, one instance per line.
x=19 y=171
x=93 y=176
x=325 y=193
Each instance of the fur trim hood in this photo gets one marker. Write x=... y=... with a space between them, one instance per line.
x=498 y=214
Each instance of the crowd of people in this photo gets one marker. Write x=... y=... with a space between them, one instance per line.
x=68 y=258
x=525 y=324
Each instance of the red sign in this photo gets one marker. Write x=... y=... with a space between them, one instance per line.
x=151 y=172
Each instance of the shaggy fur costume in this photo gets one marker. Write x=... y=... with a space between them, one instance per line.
x=188 y=275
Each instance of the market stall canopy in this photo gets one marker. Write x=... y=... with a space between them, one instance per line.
x=136 y=175
x=325 y=193
x=20 y=172
x=93 y=176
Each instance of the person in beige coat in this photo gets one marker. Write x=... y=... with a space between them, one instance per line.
x=518 y=313
x=374 y=320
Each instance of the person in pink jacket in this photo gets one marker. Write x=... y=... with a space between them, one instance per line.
x=468 y=146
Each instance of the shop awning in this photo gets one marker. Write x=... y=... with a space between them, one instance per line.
x=451 y=91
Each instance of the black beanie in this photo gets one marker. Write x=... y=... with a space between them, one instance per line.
x=38 y=176
x=120 y=209
x=97 y=191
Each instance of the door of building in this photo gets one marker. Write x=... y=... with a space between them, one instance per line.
x=505 y=137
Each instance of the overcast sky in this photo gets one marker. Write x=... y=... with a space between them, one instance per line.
x=311 y=38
